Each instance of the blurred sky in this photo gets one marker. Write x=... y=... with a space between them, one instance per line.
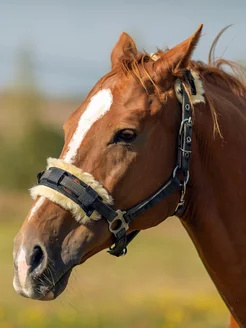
x=71 y=40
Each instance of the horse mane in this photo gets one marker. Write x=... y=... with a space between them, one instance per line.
x=215 y=73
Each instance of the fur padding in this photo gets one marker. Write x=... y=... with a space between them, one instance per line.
x=198 y=98
x=64 y=201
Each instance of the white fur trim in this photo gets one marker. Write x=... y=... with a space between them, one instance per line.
x=198 y=98
x=64 y=201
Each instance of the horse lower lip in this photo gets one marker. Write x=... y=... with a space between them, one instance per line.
x=48 y=297
x=57 y=288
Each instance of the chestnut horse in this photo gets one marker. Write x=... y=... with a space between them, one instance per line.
x=121 y=150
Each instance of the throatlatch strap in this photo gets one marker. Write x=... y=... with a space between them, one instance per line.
x=171 y=186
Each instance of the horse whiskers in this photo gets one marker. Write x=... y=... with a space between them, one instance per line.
x=47 y=279
x=51 y=262
x=42 y=280
x=51 y=275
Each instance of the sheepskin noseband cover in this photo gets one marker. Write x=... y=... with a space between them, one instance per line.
x=60 y=199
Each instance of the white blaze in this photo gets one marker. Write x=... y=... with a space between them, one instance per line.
x=22 y=268
x=99 y=104
x=37 y=205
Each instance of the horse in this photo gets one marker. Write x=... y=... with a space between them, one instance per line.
x=158 y=135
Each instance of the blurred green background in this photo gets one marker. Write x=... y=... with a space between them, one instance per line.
x=51 y=54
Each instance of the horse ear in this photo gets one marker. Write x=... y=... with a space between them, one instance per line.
x=179 y=56
x=124 y=47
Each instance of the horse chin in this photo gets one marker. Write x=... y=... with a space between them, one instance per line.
x=50 y=294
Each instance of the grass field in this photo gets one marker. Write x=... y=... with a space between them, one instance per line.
x=159 y=284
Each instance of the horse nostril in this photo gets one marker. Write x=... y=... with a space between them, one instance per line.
x=36 y=258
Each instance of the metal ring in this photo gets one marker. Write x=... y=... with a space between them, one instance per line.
x=187 y=178
x=121 y=219
x=175 y=171
x=188 y=139
x=183 y=123
x=187 y=107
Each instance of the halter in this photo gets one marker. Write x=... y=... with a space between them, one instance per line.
x=89 y=200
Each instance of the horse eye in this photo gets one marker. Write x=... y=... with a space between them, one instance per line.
x=125 y=135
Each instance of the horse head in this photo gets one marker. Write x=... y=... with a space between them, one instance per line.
x=120 y=148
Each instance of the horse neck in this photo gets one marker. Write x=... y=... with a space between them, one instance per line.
x=233 y=323
x=215 y=215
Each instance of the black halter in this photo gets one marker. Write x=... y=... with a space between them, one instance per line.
x=118 y=220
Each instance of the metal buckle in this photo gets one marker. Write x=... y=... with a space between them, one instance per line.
x=119 y=222
x=175 y=171
x=112 y=249
x=187 y=121
x=181 y=202
x=186 y=175
x=182 y=189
